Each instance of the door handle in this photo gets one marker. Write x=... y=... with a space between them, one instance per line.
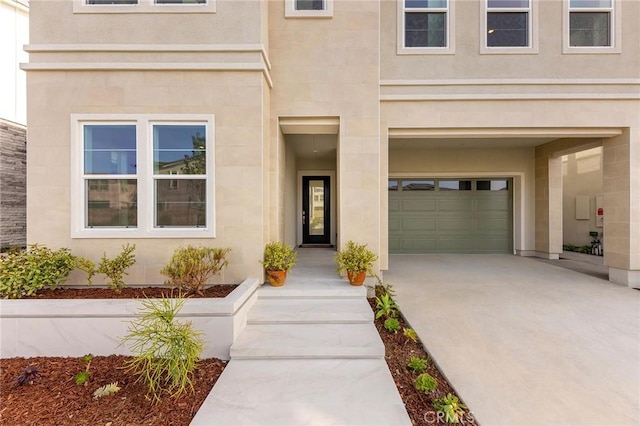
x=304 y=217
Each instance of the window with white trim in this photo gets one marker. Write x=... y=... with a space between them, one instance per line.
x=508 y=23
x=143 y=176
x=308 y=8
x=425 y=24
x=144 y=6
x=591 y=23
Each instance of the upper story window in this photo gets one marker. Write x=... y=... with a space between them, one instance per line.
x=425 y=26
x=142 y=176
x=508 y=26
x=590 y=22
x=144 y=6
x=591 y=26
x=308 y=8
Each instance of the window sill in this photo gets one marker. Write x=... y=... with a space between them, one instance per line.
x=589 y=50
x=80 y=7
x=426 y=51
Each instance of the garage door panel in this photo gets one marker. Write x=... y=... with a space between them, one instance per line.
x=418 y=224
x=453 y=205
x=476 y=220
x=455 y=224
x=493 y=224
x=418 y=206
x=493 y=204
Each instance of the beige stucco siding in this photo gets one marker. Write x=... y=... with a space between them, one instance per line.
x=328 y=67
x=235 y=22
x=236 y=101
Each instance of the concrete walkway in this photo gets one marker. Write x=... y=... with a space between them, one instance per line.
x=524 y=342
x=310 y=355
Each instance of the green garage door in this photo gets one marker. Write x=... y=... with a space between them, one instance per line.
x=450 y=216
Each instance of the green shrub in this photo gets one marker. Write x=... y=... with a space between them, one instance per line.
x=115 y=268
x=355 y=258
x=83 y=377
x=191 y=267
x=392 y=325
x=165 y=350
x=425 y=383
x=22 y=273
x=418 y=364
x=452 y=408
x=386 y=307
x=410 y=334
x=278 y=256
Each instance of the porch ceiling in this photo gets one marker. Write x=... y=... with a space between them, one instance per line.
x=313 y=147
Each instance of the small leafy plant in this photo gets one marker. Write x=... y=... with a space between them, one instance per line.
x=355 y=258
x=386 y=307
x=418 y=364
x=410 y=334
x=165 y=350
x=278 y=256
x=83 y=377
x=425 y=383
x=27 y=376
x=190 y=267
x=451 y=406
x=115 y=268
x=106 y=390
x=392 y=325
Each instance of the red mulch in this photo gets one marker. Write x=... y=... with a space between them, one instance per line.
x=220 y=290
x=55 y=399
x=398 y=352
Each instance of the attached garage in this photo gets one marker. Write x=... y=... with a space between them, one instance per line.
x=451 y=215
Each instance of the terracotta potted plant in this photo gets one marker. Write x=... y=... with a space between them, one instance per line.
x=356 y=260
x=278 y=258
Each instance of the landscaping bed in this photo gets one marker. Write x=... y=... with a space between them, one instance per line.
x=398 y=352
x=55 y=399
x=216 y=291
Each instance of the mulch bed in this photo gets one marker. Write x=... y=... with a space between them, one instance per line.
x=55 y=399
x=398 y=352
x=220 y=290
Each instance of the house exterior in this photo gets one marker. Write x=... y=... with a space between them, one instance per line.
x=415 y=126
x=14 y=21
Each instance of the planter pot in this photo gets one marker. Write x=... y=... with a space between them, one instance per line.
x=356 y=278
x=276 y=278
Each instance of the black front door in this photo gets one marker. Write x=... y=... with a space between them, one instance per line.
x=315 y=210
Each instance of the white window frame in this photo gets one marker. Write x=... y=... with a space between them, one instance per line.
x=532 y=27
x=616 y=30
x=450 y=47
x=144 y=175
x=144 y=6
x=290 y=10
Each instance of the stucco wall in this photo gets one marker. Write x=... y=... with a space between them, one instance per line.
x=328 y=67
x=14 y=21
x=581 y=176
x=235 y=99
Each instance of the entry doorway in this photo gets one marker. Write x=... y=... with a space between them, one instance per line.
x=316 y=210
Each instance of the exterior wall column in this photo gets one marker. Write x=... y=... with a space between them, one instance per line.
x=548 y=209
x=621 y=160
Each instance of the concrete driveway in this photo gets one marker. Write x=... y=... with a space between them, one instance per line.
x=524 y=342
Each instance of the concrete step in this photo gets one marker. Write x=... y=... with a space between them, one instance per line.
x=309 y=311
x=329 y=289
x=308 y=341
